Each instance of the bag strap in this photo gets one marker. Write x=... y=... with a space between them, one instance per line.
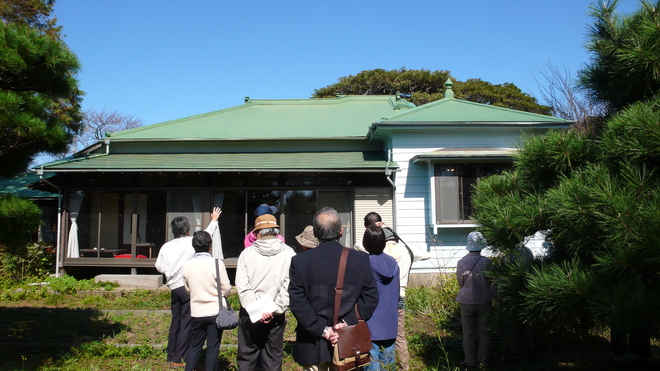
x=470 y=272
x=339 y=288
x=410 y=252
x=217 y=280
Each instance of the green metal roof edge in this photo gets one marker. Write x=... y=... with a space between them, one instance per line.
x=399 y=116
x=466 y=152
x=18 y=185
x=248 y=162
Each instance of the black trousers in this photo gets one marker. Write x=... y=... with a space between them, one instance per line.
x=259 y=340
x=179 y=336
x=204 y=328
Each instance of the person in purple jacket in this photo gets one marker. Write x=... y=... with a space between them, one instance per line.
x=475 y=300
x=383 y=324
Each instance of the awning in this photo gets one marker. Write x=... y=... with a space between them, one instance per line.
x=367 y=161
x=490 y=153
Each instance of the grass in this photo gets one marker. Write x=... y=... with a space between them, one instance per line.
x=87 y=327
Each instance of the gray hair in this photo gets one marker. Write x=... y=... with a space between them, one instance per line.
x=269 y=232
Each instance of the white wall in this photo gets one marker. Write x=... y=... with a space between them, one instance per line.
x=412 y=200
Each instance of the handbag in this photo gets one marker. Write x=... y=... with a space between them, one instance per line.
x=227 y=318
x=352 y=349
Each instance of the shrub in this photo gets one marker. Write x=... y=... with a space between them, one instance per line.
x=31 y=261
x=18 y=218
x=437 y=301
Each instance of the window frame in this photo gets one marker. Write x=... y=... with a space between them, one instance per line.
x=462 y=222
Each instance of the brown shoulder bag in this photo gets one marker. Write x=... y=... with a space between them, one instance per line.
x=352 y=349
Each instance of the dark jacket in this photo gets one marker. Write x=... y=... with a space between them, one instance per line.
x=313 y=277
x=473 y=282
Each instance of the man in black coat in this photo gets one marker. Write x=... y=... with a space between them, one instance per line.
x=313 y=277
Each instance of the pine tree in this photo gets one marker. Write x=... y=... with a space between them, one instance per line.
x=39 y=93
x=600 y=198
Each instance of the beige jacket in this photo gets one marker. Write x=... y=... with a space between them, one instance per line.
x=199 y=278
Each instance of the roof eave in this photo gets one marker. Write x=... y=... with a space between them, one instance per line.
x=466 y=124
x=170 y=140
x=218 y=170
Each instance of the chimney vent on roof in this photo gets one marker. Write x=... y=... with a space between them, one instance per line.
x=449 y=91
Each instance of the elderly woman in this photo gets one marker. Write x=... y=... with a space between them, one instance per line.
x=474 y=299
x=262 y=280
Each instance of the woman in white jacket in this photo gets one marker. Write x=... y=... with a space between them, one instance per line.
x=200 y=281
x=262 y=281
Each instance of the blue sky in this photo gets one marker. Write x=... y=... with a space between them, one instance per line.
x=166 y=59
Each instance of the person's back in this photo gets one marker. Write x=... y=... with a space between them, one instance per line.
x=262 y=280
x=474 y=299
x=383 y=324
x=313 y=277
x=201 y=282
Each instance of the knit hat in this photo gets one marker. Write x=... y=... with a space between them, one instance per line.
x=265 y=221
x=475 y=242
x=307 y=239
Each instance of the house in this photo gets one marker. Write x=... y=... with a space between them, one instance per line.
x=413 y=165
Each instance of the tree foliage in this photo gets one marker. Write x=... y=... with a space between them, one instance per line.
x=600 y=199
x=39 y=95
x=18 y=217
x=31 y=13
x=625 y=55
x=424 y=86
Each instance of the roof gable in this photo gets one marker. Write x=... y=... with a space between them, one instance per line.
x=340 y=117
x=456 y=110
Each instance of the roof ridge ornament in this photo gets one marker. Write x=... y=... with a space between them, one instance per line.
x=449 y=89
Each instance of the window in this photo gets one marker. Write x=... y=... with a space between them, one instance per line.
x=453 y=189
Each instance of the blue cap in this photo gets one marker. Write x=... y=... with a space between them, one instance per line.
x=264 y=209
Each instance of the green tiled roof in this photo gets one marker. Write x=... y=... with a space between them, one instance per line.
x=305 y=161
x=461 y=111
x=17 y=185
x=341 y=117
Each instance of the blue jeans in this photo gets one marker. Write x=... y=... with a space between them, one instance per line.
x=382 y=355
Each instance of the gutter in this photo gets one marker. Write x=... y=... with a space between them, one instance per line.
x=40 y=172
x=388 y=141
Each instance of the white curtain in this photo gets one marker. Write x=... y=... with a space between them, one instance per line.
x=216 y=250
x=72 y=248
